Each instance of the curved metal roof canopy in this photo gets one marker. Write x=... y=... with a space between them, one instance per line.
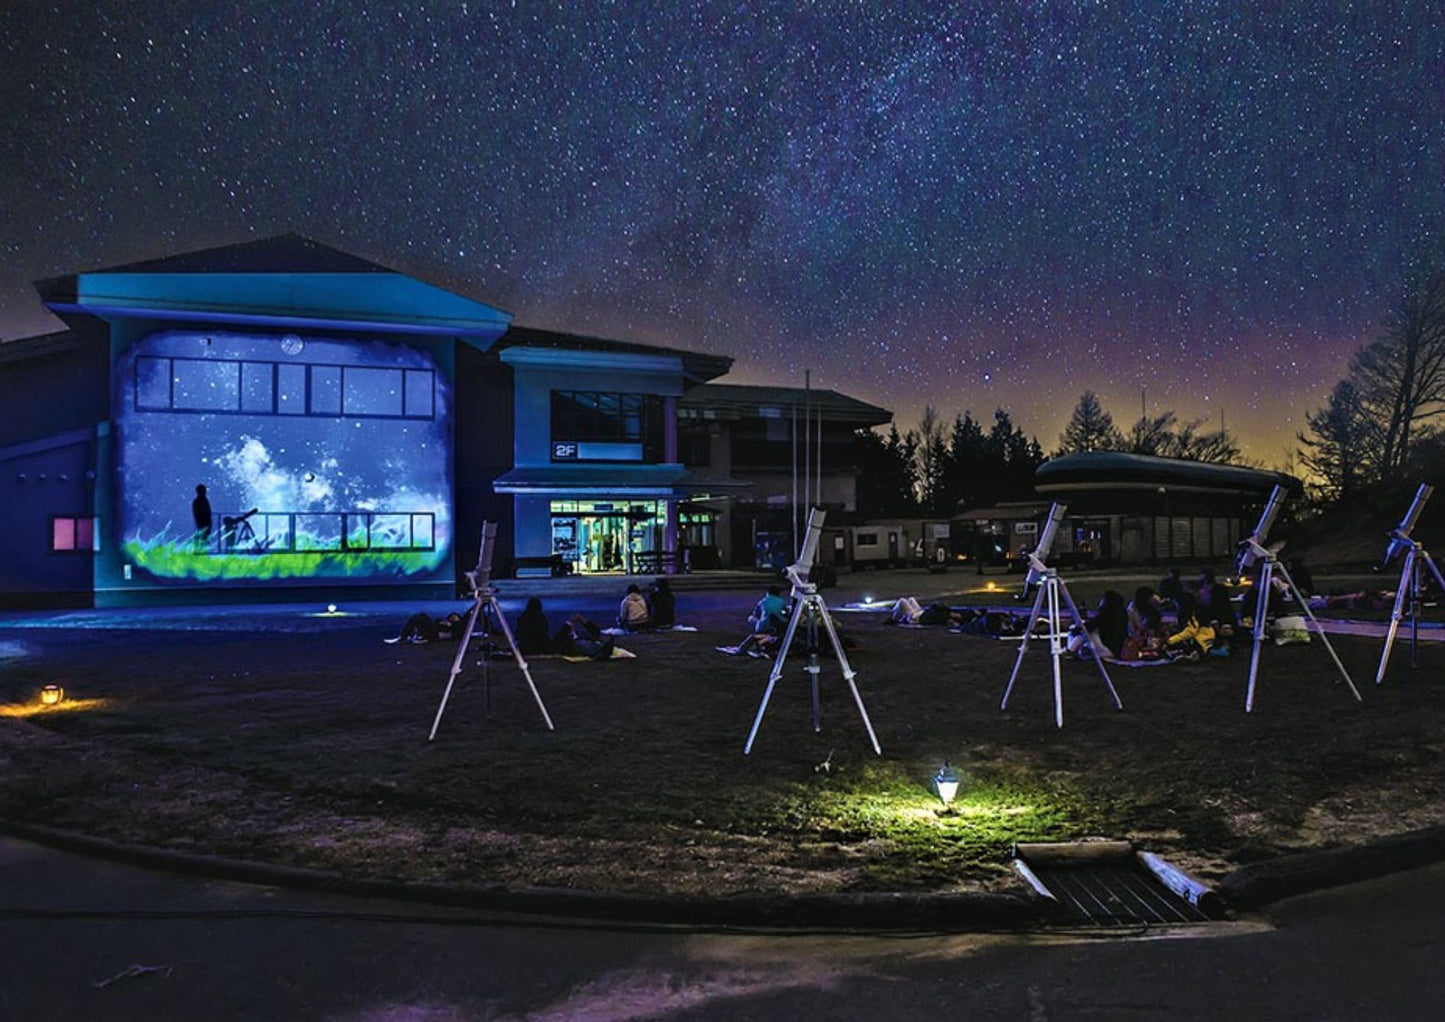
x=1117 y=470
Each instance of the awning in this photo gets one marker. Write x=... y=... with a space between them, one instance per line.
x=614 y=482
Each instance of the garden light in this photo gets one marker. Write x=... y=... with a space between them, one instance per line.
x=52 y=695
x=946 y=781
x=331 y=608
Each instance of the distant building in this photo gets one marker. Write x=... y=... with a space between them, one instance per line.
x=768 y=437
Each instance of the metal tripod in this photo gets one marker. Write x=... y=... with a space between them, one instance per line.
x=484 y=602
x=1055 y=594
x=1269 y=564
x=1409 y=588
x=809 y=606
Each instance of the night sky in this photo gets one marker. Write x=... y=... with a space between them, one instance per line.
x=1000 y=205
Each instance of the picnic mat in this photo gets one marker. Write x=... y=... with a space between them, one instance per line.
x=617 y=654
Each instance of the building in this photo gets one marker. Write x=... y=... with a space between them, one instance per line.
x=795 y=447
x=279 y=419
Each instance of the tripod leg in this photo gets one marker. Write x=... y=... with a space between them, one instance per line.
x=1395 y=616
x=1414 y=609
x=776 y=673
x=522 y=664
x=1294 y=591
x=1261 y=613
x=1023 y=646
x=1056 y=648
x=813 y=667
x=848 y=674
x=1079 y=620
x=456 y=666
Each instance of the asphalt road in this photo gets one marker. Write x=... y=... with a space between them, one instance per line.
x=87 y=939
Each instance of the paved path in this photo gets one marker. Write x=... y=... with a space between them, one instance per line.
x=81 y=939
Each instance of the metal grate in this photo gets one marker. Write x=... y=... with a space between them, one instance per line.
x=1115 y=893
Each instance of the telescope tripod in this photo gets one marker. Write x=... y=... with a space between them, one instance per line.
x=1055 y=594
x=809 y=607
x=1269 y=564
x=1409 y=588
x=484 y=603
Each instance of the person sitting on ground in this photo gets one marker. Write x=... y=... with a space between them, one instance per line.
x=533 y=634
x=1193 y=635
x=768 y=620
x=661 y=605
x=1170 y=587
x=1104 y=631
x=1219 y=610
x=1146 y=627
x=632 y=614
x=580 y=637
x=422 y=627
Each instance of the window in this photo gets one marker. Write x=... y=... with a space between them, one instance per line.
x=606 y=418
x=867 y=539
x=288 y=388
x=73 y=534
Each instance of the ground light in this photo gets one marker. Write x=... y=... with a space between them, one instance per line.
x=945 y=782
x=52 y=695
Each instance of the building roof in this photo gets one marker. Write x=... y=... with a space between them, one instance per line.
x=738 y=401
x=697 y=366
x=283 y=253
x=23 y=348
x=1102 y=470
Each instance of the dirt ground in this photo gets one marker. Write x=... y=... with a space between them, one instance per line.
x=306 y=744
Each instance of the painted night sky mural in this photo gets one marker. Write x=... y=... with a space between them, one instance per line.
x=1204 y=206
x=321 y=458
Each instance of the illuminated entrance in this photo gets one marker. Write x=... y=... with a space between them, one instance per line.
x=620 y=536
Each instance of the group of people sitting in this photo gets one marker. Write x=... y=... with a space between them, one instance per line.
x=1204 y=624
x=655 y=610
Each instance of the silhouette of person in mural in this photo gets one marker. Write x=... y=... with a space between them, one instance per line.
x=201 y=512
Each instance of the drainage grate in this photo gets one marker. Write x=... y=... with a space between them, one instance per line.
x=1107 y=884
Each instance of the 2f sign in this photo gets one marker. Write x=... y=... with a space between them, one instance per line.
x=564 y=450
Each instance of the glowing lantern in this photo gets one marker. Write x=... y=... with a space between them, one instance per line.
x=331 y=608
x=52 y=695
x=946 y=781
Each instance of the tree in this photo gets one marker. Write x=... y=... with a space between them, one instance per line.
x=932 y=455
x=1336 y=447
x=886 y=474
x=1400 y=378
x=1090 y=428
x=1165 y=436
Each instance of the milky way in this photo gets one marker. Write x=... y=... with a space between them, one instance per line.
x=995 y=206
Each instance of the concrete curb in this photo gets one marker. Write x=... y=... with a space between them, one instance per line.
x=1246 y=888
x=962 y=912
x=1263 y=882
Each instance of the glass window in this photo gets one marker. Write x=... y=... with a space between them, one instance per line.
x=420 y=402
x=258 y=387
x=205 y=386
x=152 y=383
x=325 y=390
x=70 y=533
x=373 y=391
x=291 y=389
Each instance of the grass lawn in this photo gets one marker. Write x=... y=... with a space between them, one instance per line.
x=310 y=749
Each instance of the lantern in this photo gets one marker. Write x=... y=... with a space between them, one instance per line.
x=52 y=695
x=946 y=782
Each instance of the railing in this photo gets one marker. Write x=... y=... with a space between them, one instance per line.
x=272 y=532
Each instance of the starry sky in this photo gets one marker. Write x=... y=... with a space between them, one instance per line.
x=1205 y=207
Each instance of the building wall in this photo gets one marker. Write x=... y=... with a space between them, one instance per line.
x=38 y=482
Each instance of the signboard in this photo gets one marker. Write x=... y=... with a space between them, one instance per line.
x=564 y=450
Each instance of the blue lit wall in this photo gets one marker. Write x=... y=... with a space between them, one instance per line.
x=341 y=448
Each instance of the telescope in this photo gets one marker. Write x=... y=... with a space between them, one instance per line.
x=799 y=571
x=238 y=519
x=1400 y=540
x=1251 y=548
x=1040 y=553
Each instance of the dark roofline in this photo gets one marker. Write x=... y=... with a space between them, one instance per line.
x=697 y=366
x=22 y=349
x=1105 y=469
x=747 y=399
